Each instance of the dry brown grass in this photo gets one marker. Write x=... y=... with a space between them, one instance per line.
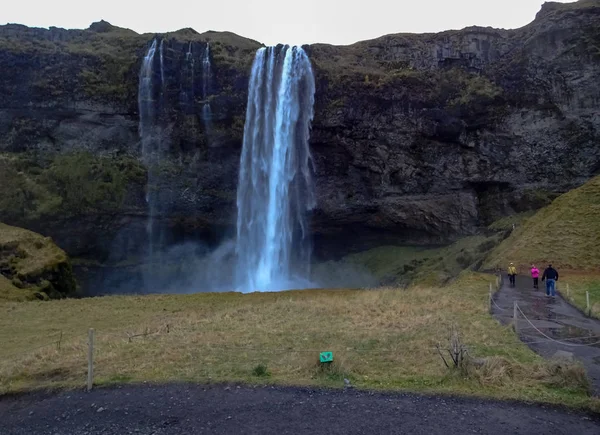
x=380 y=338
x=502 y=371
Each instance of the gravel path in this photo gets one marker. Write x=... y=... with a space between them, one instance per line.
x=196 y=409
x=555 y=318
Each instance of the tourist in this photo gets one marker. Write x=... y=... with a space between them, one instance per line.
x=551 y=276
x=535 y=274
x=512 y=274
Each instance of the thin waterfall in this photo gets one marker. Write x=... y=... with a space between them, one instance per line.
x=206 y=78
x=206 y=71
x=275 y=188
x=151 y=147
x=188 y=55
x=162 y=64
x=146 y=101
x=189 y=98
x=162 y=76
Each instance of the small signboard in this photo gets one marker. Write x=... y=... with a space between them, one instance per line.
x=326 y=357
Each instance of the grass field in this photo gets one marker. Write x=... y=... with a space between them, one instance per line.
x=381 y=339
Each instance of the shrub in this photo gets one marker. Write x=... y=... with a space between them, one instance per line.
x=261 y=371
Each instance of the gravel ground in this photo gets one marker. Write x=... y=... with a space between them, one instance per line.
x=197 y=409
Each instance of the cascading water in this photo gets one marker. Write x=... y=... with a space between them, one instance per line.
x=146 y=101
x=146 y=108
x=150 y=138
x=275 y=190
x=206 y=76
x=162 y=63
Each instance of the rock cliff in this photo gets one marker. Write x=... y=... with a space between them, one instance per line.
x=417 y=139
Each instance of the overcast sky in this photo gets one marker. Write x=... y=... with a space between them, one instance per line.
x=274 y=21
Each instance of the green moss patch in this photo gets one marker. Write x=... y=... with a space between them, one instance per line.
x=32 y=266
x=32 y=188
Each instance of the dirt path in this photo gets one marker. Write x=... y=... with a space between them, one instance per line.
x=555 y=318
x=196 y=409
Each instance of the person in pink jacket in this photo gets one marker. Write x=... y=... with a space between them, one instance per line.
x=535 y=274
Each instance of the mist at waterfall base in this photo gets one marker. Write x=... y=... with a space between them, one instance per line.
x=271 y=249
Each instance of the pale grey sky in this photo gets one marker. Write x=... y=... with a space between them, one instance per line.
x=274 y=21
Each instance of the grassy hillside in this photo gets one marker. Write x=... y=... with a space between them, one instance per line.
x=566 y=233
x=380 y=339
x=405 y=265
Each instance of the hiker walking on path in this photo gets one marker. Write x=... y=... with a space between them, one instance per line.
x=512 y=274
x=551 y=276
x=535 y=274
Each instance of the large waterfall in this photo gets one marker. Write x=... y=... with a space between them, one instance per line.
x=275 y=190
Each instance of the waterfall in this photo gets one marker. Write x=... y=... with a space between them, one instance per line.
x=206 y=71
x=206 y=76
x=146 y=102
x=187 y=90
x=275 y=190
x=162 y=64
x=150 y=137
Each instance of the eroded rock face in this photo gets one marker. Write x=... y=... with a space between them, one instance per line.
x=417 y=139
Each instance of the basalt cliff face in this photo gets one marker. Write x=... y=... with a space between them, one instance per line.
x=417 y=139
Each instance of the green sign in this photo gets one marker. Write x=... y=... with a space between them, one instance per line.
x=326 y=357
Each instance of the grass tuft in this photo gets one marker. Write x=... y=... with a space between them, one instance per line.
x=261 y=371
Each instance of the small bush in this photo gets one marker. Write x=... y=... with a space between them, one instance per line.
x=261 y=371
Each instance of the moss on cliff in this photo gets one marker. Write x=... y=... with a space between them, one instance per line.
x=32 y=266
x=67 y=184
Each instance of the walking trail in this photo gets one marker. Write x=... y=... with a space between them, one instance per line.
x=568 y=332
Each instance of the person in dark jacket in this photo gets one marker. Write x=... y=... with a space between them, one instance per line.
x=551 y=276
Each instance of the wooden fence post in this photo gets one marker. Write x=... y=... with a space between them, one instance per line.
x=490 y=299
x=515 y=320
x=587 y=301
x=90 y=376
